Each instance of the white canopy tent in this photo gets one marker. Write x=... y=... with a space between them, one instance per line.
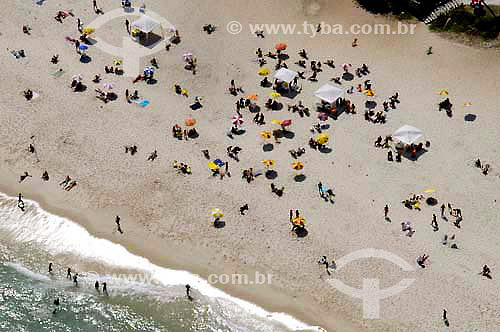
x=146 y=24
x=285 y=75
x=329 y=93
x=407 y=134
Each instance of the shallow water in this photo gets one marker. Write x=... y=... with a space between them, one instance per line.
x=157 y=302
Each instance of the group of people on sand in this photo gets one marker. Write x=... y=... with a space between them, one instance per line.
x=181 y=167
x=485 y=168
x=185 y=134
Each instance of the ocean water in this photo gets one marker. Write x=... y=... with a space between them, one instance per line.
x=30 y=240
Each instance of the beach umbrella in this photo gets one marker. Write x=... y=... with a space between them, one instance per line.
x=77 y=77
x=443 y=92
x=219 y=162
x=281 y=46
x=217 y=213
x=276 y=122
x=429 y=191
x=190 y=122
x=298 y=166
x=407 y=134
x=467 y=104
x=108 y=86
x=83 y=48
x=187 y=56
x=268 y=163
x=322 y=139
x=266 y=134
x=149 y=71
x=252 y=97
x=263 y=72
x=329 y=93
x=299 y=221
x=213 y=166
x=237 y=120
x=286 y=123
x=88 y=31
x=369 y=92
x=285 y=75
x=117 y=62
x=275 y=95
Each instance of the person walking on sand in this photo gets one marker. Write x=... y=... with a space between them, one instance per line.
x=119 y=227
x=94 y=3
x=127 y=25
x=79 y=25
x=386 y=211
x=68 y=275
x=443 y=207
x=320 y=189
x=188 y=292
x=445 y=318
x=75 y=279
x=96 y=286
x=434 y=223
x=291 y=215
x=20 y=202
x=324 y=261
x=105 y=288
x=50 y=267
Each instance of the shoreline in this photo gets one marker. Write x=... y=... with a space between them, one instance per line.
x=266 y=297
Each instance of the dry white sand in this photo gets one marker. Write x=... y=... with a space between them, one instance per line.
x=166 y=215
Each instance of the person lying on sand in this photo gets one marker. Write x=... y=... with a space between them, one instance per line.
x=24 y=176
x=70 y=186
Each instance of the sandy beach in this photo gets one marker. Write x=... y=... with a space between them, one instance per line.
x=166 y=215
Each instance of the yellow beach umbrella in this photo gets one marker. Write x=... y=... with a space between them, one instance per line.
x=117 y=62
x=443 y=92
x=298 y=166
x=213 y=166
x=429 y=191
x=266 y=135
x=275 y=95
x=369 y=92
x=276 y=122
x=88 y=31
x=322 y=139
x=268 y=163
x=263 y=72
x=467 y=103
x=217 y=213
x=299 y=221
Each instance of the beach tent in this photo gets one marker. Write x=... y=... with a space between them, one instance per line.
x=407 y=134
x=329 y=93
x=145 y=24
x=285 y=75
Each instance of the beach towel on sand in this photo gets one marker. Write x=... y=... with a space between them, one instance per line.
x=142 y=103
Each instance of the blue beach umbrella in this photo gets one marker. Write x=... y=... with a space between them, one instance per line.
x=219 y=162
x=148 y=71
